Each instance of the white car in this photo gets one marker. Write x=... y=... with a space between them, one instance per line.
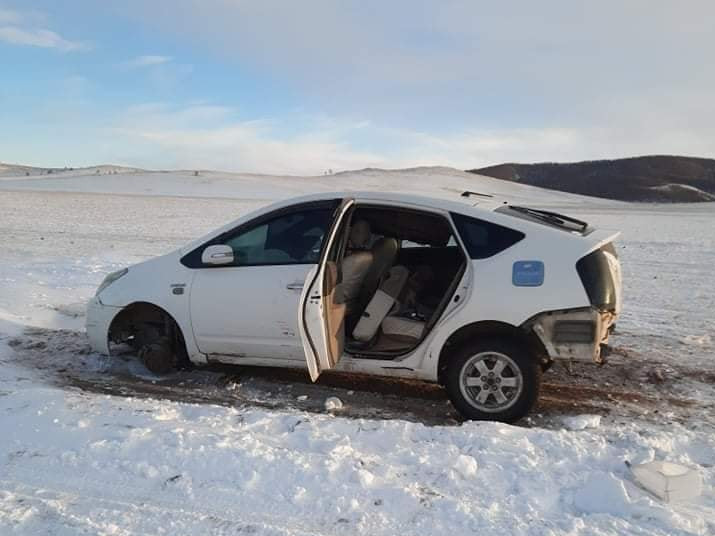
x=478 y=296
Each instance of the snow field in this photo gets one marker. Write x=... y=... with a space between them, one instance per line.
x=74 y=461
x=307 y=473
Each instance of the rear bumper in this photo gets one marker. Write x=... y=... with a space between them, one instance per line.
x=99 y=318
x=574 y=334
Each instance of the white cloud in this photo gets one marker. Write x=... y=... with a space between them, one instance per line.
x=8 y=16
x=465 y=66
x=207 y=136
x=161 y=115
x=38 y=38
x=454 y=83
x=162 y=72
x=202 y=135
x=21 y=28
x=148 y=61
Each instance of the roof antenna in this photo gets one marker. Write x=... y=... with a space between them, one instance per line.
x=467 y=193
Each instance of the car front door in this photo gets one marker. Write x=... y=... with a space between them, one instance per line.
x=321 y=317
x=249 y=307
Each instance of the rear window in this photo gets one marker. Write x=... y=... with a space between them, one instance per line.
x=484 y=239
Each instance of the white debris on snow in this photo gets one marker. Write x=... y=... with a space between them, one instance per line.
x=466 y=466
x=668 y=481
x=581 y=422
x=698 y=340
x=333 y=403
x=603 y=493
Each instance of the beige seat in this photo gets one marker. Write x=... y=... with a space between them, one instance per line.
x=381 y=303
x=355 y=265
x=403 y=327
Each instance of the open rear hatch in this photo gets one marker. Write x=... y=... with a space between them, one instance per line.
x=600 y=272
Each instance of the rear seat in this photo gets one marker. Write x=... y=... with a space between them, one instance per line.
x=403 y=327
x=381 y=303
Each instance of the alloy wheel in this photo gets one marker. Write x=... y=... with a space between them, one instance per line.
x=491 y=381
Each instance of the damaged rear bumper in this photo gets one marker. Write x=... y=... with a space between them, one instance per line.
x=574 y=334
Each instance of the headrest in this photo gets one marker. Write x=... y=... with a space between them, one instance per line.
x=360 y=234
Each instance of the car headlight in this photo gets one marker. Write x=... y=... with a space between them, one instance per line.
x=111 y=278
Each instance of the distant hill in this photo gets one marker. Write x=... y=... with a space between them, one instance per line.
x=675 y=179
x=19 y=170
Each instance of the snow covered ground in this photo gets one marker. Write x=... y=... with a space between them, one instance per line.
x=102 y=447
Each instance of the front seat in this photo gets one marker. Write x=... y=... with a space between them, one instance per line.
x=355 y=265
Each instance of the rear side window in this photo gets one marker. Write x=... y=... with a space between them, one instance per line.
x=484 y=239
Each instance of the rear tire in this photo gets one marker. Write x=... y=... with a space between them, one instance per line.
x=493 y=379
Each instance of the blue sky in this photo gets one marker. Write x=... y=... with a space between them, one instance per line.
x=302 y=87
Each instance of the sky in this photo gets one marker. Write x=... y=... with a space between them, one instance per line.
x=302 y=87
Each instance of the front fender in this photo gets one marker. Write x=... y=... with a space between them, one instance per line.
x=99 y=318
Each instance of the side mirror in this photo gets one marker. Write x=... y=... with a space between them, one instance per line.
x=217 y=254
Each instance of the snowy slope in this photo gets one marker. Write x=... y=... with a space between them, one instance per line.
x=100 y=459
x=441 y=182
x=14 y=171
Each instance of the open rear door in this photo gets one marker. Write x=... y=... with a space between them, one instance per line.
x=320 y=317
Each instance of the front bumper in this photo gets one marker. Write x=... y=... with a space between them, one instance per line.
x=99 y=318
x=574 y=334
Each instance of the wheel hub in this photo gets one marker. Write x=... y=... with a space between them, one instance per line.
x=491 y=381
x=158 y=357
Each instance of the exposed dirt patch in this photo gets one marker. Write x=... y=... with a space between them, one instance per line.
x=623 y=388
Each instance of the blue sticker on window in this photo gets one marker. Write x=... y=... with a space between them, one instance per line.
x=528 y=274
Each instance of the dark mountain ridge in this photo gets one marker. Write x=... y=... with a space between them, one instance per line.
x=660 y=178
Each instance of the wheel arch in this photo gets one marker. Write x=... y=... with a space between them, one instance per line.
x=490 y=329
x=126 y=322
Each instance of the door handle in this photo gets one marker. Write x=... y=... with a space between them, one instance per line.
x=295 y=286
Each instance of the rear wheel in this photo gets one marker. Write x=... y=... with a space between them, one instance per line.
x=493 y=379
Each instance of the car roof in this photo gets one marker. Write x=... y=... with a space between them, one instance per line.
x=469 y=205
x=460 y=204
x=466 y=205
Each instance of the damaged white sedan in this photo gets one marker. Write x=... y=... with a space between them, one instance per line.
x=478 y=296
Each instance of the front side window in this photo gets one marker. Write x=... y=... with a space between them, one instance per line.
x=291 y=236
x=294 y=238
x=484 y=239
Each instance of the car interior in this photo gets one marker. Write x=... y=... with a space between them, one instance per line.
x=397 y=270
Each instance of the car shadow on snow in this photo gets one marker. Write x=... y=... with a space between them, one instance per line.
x=627 y=388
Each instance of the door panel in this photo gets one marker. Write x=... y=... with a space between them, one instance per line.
x=335 y=312
x=248 y=310
x=321 y=317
